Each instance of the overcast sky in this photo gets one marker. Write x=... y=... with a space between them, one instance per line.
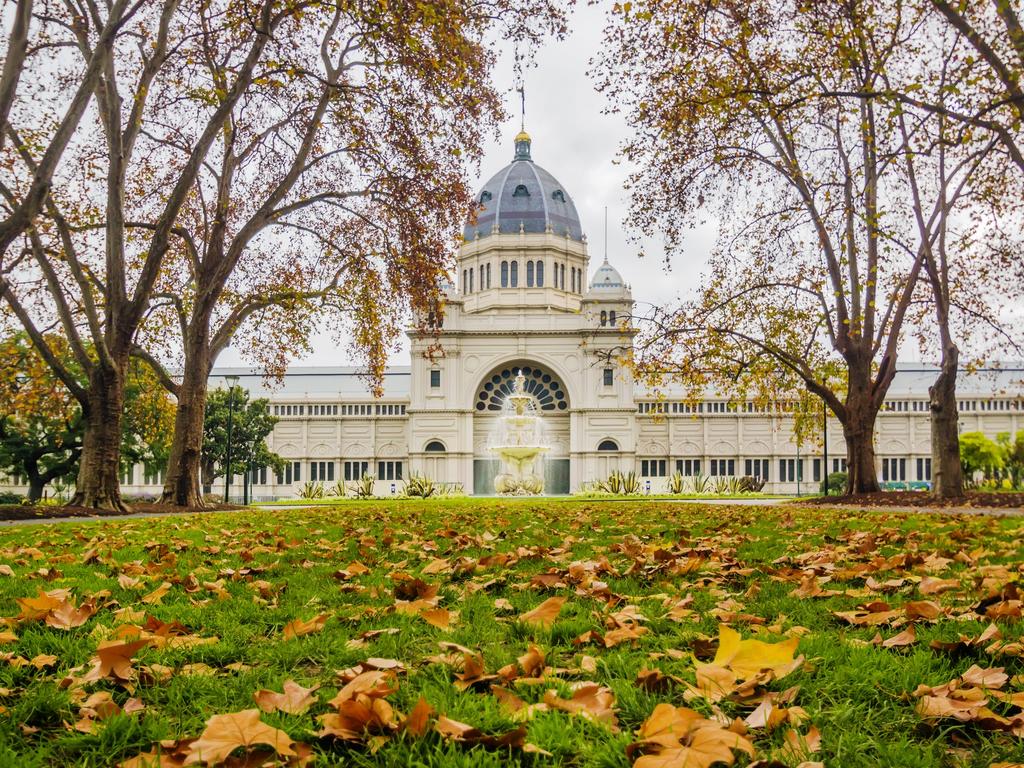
x=578 y=145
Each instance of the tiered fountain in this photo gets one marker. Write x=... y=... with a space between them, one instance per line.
x=520 y=444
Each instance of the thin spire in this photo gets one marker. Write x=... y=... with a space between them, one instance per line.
x=522 y=106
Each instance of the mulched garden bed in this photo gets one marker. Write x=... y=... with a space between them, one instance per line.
x=983 y=499
x=29 y=512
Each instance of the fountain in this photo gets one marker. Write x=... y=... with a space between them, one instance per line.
x=520 y=444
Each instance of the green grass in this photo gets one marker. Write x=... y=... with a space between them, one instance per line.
x=857 y=696
x=336 y=500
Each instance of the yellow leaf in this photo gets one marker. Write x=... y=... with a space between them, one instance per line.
x=226 y=733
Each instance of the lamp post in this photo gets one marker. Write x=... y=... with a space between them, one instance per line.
x=824 y=437
x=232 y=382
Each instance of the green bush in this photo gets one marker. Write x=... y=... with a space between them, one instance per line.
x=10 y=497
x=835 y=484
x=419 y=487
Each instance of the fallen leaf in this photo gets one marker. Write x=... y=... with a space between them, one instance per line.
x=544 y=615
x=294 y=699
x=299 y=627
x=226 y=733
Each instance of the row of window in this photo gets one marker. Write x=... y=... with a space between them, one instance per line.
x=326 y=409
x=790 y=470
x=508 y=276
x=891 y=406
x=607 y=318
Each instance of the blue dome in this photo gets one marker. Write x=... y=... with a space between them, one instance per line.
x=523 y=197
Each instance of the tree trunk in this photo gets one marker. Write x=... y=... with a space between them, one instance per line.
x=947 y=473
x=35 y=488
x=182 y=486
x=98 y=485
x=859 y=432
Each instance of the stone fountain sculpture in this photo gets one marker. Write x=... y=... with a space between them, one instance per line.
x=520 y=444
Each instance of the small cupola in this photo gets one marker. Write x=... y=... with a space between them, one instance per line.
x=522 y=146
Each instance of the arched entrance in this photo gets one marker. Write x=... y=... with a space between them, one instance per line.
x=552 y=400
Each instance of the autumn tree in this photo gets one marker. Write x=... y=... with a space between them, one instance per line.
x=336 y=186
x=41 y=425
x=755 y=113
x=97 y=279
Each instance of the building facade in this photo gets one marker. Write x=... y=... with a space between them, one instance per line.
x=526 y=301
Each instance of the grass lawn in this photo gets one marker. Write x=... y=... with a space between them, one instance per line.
x=647 y=588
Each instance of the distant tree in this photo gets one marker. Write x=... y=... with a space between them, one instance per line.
x=251 y=422
x=978 y=453
x=1012 y=450
x=41 y=425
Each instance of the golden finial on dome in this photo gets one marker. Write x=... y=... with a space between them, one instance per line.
x=522 y=136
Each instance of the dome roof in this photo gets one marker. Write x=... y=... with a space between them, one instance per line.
x=523 y=197
x=607 y=278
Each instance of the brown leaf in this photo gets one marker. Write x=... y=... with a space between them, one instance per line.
x=437 y=617
x=544 y=615
x=299 y=627
x=593 y=701
x=461 y=732
x=418 y=720
x=294 y=699
x=226 y=733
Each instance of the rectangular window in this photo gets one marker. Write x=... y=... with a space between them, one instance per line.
x=258 y=476
x=354 y=470
x=894 y=470
x=609 y=377
x=838 y=465
x=127 y=476
x=791 y=470
x=756 y=468
x=653 y=467
x=688 y=467
x=817 y=470
x=723 y=467
x=924 y=469
x=389 y=470
x=435 y=378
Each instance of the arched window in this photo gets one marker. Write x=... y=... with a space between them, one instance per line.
x=540 y=274
x=563 y=276
x=604 y=318
x=611 y=314
x=515 y=274
x=607 y=445
x=435 y=446
x=465 y=282
x=521 y=191
x=542 y=385
x=504 y=274
x=470 y=279
x=529 y=274
x=488 y=274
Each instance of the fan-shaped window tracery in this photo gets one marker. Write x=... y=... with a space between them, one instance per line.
x=546 y=389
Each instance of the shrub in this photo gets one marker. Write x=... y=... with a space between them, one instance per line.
x=311 y=490
x=419 y=487
x=676 y=484
x=750 y=484
x=363 y=487
x=836 y=484
x=10 y=497
x=701 y=483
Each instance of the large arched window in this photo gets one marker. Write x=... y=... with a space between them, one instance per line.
x=545 y=388
x=504 y=274
x=540 y=274
x=435 y=446
x=529 y=274
x=515 y=274
x=607 y=445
